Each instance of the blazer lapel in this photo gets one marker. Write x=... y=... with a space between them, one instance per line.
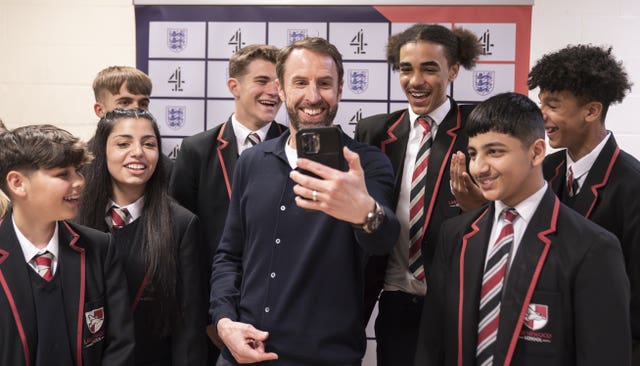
x=523 y=276
x=556 y=182
x=16 y=286
x=472 y=254
x=72 y=271
x=227 y=152
x=597 y=178
x=441 y=151
x=395 y=147
x=275 y=130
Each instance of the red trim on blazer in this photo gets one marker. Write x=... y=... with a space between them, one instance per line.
x=223 y=145
x=143 y=285
x=14 y=310
x=392 y=137
x=595 y=187
x=461 y=285
x=82 y=290
x=557 y=172
x=534 y=280
x=443 y=166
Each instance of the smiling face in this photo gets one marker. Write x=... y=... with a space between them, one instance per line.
x=425 y=75
x=132 y=156
x=310 y=89
x=256 y=94
x=55 y=192
x=568 y=122
x=505 y=169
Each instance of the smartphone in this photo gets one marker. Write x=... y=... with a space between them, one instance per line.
x=322 y=145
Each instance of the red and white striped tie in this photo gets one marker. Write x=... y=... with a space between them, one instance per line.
x=572 y=185
x=416 y=201
x=43 y=265
x=491 y=293
x=253 y=138
x=119 y=217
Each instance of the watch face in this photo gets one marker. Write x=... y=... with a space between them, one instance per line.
x=374 y=220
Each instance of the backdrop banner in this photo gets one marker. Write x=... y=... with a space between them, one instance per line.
x=185 y=50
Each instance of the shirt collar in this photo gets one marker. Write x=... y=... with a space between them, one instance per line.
x=241 y=132
x=135 y=209
x=437 y=115
x=29 y=250
x=526 y=208
x=584 y=164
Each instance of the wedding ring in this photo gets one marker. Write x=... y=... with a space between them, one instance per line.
x=314 y=195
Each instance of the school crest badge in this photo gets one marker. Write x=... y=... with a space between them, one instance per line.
x=536 y=317
x=94 y=319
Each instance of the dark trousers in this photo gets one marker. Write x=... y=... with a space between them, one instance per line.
x=397 y=328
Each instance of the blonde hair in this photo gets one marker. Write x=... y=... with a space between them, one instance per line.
x=4 y=204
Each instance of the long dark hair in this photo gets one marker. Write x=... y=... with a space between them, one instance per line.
x=158 y=249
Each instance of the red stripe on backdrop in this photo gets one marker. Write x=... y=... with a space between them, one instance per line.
x=520 y=15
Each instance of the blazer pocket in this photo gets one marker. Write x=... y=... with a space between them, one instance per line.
x=542 y=331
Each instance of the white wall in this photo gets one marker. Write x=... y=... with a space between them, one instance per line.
x=50 y=51
x=557 y=23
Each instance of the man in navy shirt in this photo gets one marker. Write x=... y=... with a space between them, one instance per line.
x=288 y=276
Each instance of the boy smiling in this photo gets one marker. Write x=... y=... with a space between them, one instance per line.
x=524 y=280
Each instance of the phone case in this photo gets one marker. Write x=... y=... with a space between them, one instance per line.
x=322 y=145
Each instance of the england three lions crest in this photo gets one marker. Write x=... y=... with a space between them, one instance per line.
x=294 y=35
x=483 y=82
x=177 y=39
x=358 y=80
x=537 y=316
x=94 y=319
x=176 y=117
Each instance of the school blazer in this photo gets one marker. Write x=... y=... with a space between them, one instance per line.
x=187 y=341
x=390 y=132
x=202 y=174
x=93 y=284
x=610 y=198
x=565 y=301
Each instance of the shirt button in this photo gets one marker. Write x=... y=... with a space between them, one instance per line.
x=273 y=275
x=266 y=310
x=282 y=208
x=278 y=241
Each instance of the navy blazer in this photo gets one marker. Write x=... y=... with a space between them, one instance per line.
x=92 y=279
x=390 y=132
x=565 y=300
x=610 y=198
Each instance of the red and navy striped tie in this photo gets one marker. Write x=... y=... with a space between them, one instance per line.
x=416 y=203
x=492 y=284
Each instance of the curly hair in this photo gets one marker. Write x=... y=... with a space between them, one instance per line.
x=589 y=72
x=461 y=45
